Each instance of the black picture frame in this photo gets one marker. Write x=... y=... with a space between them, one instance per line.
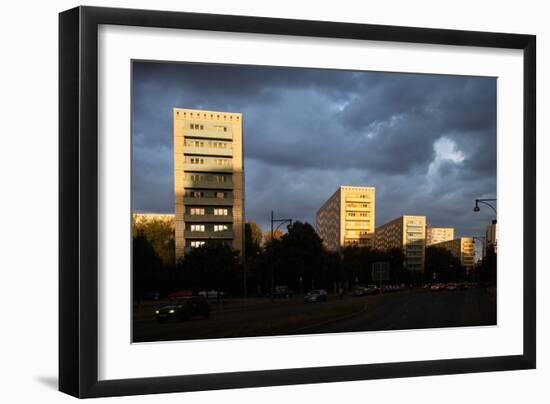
x=78 y=201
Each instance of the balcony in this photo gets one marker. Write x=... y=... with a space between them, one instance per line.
x=208 y=201
x=209 y=235
x=187 y=183
x=208 y=166
x=208 y=151
x=208 y=134
x=208 y=218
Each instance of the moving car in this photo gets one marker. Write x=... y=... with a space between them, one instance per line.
x=186 y=308
x=317 y=295
x=451 y=287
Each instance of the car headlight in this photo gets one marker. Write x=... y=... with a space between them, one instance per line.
x=172 y=311
x=156 y=312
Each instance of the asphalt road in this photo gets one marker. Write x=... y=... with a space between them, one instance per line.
x=410 y=309
x=425 y=309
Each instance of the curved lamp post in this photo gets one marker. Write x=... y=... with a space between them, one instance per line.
x=485 y=202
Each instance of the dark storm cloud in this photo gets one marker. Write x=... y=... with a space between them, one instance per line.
x=426 y=142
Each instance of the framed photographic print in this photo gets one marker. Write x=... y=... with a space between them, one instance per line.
x=251 y=201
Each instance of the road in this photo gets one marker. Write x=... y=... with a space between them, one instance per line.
x=425 y=309
x=409 y=309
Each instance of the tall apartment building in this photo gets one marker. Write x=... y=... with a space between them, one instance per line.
x=436 y=235
x=462 y=248
x=490 y=238
x=347 y=217
x=208 y=179
x=408 y=233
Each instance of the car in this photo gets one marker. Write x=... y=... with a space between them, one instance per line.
x=451 y=287
x=359 y=290
x=371 y=289
x=435 y=287
x=317 y=295
x=282 y=291
x=186 y=308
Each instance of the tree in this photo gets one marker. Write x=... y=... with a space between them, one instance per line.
x=442 y=265
x=212 y=266
x=277 y=235
x=160 y=234
x=145 y=266
x=252 y=239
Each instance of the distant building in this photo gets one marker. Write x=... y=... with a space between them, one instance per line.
x=408 y=233
x=347 y=217
x=490 y=238
x=462 y=248
x=436 y=235
x=208 y=179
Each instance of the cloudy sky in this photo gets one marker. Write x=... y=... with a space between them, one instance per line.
x=426 y=142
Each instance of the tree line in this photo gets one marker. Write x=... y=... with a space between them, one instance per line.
x=296 y=259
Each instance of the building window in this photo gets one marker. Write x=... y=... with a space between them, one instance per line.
x=221 y=178
x=197 y=227
x=220 y=227
x=195 y=244
x=197 y=211
x=197 y=177
x=220 y=195
x=196 y=194
x=196 y=160
x=220 y=212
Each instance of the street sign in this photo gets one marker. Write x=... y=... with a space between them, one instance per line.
x=380 y=271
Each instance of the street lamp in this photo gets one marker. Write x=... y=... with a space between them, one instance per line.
x=281 y=222
x=485 y=202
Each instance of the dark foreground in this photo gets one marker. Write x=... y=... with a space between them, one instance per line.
x=409 y=309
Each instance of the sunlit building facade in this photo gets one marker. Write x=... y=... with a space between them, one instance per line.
x=208 y=179
x=462 y=248
x=490 y=238
x=436 y=235
x=406 y=232
x=347 y=217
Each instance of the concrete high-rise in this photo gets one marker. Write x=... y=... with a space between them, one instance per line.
x=347 y=217
x=208 y=179
x=490 y=238
x=408 y=233
x=436 y=235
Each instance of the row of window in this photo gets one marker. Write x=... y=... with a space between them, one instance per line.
x=218 y=162
x=202 y=143
x=201 y=227
x=221 y=179
x=201 y=194
x=358 y=214
x=200 y=126
x=357 y=205
x=202 y=211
